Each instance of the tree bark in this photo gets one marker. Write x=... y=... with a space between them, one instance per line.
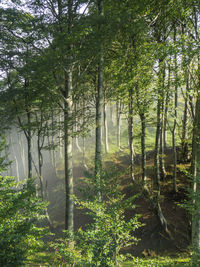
x=118 y=116
x=29 y=144
x=21 y=144
x=157 y=206
x=68 y=142
x=162 y=103
x=106 y=128
x=175 y=120
x=69 y=186
x=76 y=130
x=196 y=177
x=184 y=143
x=40 y=163
x=143 y=146
x=130 y=134
x=99 y=107
x=167 y=99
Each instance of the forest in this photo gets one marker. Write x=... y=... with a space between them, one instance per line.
x=100 y=133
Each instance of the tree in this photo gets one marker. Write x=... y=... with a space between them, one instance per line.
x=20 y=213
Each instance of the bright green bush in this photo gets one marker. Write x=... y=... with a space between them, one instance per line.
x=20 y=211
x=100 y=243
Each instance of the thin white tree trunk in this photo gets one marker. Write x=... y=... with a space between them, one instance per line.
x=175 y=121
x=106 y=129
x=99 y=109
x=130 y=132
x=118 y=116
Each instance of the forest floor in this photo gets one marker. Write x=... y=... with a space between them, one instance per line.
x=154 y=241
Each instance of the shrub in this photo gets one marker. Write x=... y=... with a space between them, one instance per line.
x=20 y=211
x=103 y=239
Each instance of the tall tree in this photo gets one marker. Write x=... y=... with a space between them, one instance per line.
x=99 y=96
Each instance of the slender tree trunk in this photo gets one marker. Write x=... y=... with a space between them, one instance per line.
x=162 y=150
x=99 y=108
x=13 y=153
x=157 y=206
x=11 y=173
x=175 y=121
x=196 y=175
x=50 y=151
x=29 y=144
x=60 y=138
x=69 y=187
x=53 y=140
x=161 y=156
x=40 y=163
x=143 y=146
x=28 y=136
x=112 y=117
x=118 y=116
x=68 y=108
x=165 y=122
x=77 y=144
x=130 y=132
x=17 y=168
x=22 y=153
x=106 y=129
x=167 y=99
x=76 y=130
x=196 y=160
x=184 y=143
x=156 y=160
x=83 y=153
x=83 y=137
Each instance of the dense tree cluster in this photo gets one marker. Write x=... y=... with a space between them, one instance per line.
x=64 y=62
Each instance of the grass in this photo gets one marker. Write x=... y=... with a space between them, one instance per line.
x=158 y=262
x=44 y=260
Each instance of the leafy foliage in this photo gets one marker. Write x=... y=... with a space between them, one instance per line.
x=20 y=211
x=110 y=232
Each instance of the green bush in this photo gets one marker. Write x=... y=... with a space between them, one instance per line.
x=103 y=239
x=20 y=211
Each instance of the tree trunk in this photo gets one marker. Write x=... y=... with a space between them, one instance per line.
x=106 y=128
x=167 y=99
x=130 y=134
x=162 y=151
x=118 y=116
x=99 y=109
x=22 y=153
x=28 y=136
x=175 y=121
x=68 y=142
x=196 y=175
x=76 y=130
x=162 y=95
x=157 y=206
x=156 y=159
x=143 y=147
x=69 y=187
x=165 y=122
x=112 y=117
x=40 y=163
x=84 y=137
x=60 y=138
x=29 y=144
x=184 y=143
x=17 y=168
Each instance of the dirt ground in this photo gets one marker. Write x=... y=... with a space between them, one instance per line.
x=153 y=239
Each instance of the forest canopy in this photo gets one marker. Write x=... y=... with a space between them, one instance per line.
x=83 y=80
